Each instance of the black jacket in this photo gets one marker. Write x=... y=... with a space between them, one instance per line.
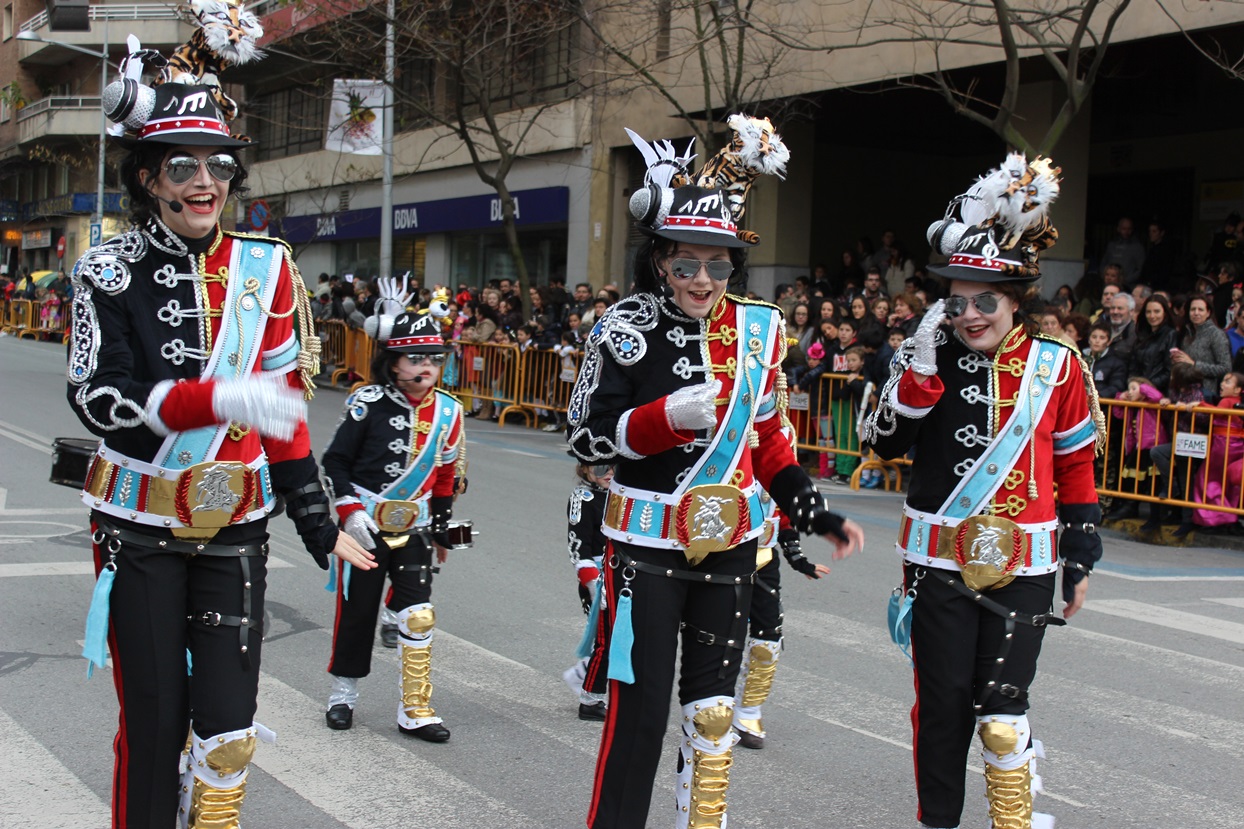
x=1151 y=357
x=1109 y=373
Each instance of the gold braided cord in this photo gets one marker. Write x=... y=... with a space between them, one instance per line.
x=710 y=777
x=416 y=685
x=761 y=666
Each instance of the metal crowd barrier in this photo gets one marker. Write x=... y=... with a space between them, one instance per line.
x=1206 y=450
x=826 y=421
x=545 y=379
x=487 y=372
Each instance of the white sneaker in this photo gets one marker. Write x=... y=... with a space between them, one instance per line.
x=550 y=427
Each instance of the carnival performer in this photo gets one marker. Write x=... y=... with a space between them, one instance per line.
x=190 y=357
x=764 y=625
x=585 y=542
x=392 y=465
x=680 y=387
x=998 y=415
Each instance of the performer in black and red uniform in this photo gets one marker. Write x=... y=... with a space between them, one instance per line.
x=998 y=415
x=186 y=359
x=585 y=543
x=680 y=388
x=764 y=624
x=392 y=465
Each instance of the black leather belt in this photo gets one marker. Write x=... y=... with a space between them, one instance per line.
x=174 y=545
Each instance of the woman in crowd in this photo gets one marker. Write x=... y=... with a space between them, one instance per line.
x=1203 y=344
x=800 y=327
x=879 y=309
x=1076 y=329
x=908 y=309
x=1155 y=337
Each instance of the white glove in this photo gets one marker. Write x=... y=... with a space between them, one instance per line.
x=924 y=358
x=391 y=300
x=360 y=526
x=268 y=405
x=693 y=407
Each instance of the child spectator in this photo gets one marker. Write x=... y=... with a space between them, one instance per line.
x=847 y=330
x=846 y=402
x=1186 y=392
x=807 y=378
x=1217 y=483
x=1109 y=370
x=1143 y=430
x=568 y=353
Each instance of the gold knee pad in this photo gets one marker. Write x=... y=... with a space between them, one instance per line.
x=418 y=620
x=999 y=737
x=708 y=757
x=218 y=784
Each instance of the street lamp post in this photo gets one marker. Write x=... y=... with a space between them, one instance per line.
x=103 y=119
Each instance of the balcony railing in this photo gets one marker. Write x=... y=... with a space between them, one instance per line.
x=58 y=103
x=135 y=11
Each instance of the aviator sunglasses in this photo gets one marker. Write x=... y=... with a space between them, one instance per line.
x=222 y=166
x=719 y=269
x=434 y=359
x=957 y=305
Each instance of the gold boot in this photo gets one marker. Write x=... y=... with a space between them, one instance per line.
x=415 y=715
x=757 y=674
x=1008 y=773
x=707 y=756
x=216 y=779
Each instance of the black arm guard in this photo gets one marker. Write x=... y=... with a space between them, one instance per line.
x=798 y=497
x=788 y=540
x=442 y=511
x=1079 y=545
x=298 y=482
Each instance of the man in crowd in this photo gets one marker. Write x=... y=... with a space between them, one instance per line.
x=872 y=284
x=881 y=256
x=1122 y=325
x=1108 y=293
x=1161 y=264
x=1125 y=250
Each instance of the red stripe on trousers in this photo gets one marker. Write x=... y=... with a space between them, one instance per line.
x=120 y=745
x=915 y=725
x=341 y=587
x=611 y=712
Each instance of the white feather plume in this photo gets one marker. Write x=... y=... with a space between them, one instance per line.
x=758 y=155
x=662 y=159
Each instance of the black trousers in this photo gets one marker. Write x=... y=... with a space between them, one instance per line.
x=955 y=644
x=148 y=635
x=766 y=616
x=354 y=632
x=661 y=606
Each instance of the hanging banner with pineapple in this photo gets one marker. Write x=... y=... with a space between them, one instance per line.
x=354 y=123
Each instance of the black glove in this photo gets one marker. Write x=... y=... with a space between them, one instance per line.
x=306 y=502
x=798 y=497
x=585 y=596
x=442 y=511
x=1079 y=545
x=788 y=540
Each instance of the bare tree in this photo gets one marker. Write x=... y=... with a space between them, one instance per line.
x=490 y=69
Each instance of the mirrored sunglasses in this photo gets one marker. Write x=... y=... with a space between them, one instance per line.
x=719 y=269
x=222 y=166
x=957 y=305
x=601 y=470
x=434 y=359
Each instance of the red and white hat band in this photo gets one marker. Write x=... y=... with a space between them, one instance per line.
x=174 y=126
x=697 y=223
x=971 y=260
x=403 y=342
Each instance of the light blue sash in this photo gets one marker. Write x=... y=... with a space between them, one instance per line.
x=989 y=472
x=416 y=475
x=242 y=326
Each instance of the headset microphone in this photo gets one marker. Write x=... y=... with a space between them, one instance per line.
x=173 y=204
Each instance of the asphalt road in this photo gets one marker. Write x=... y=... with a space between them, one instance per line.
x=1138 y=701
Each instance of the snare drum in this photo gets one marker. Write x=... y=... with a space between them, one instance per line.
x=71 y=458
x=461 y=534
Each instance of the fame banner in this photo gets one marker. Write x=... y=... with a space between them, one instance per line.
x=354 y=122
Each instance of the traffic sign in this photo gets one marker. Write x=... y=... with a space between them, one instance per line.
x=258 y=214
x=60 y=248
x=97 y=233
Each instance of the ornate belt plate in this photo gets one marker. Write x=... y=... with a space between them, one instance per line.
x=711 y=518
x=987 y=548
x=397 y=516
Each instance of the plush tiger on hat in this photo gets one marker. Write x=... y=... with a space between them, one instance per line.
x=754 y=150
x=226 y=36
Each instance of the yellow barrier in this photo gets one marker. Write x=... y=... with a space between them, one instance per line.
x=1206 y=456
x=545 y=379
x=488 y=372
x=332 y=344
x=20 y=319
x=826 y=421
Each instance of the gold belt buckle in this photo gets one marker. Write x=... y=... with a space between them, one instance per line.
x=711 y=518
x=987 y=548
x=396 y=516
x=206 y=497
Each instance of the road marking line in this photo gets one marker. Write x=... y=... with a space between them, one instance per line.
x=16 y=438
x=338 y=771
x=47 y=568
x=13 y=427
x=1227 y=602
x=1174 y=619
x=40 y=786
x=525 y=454
x=1202 y=661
